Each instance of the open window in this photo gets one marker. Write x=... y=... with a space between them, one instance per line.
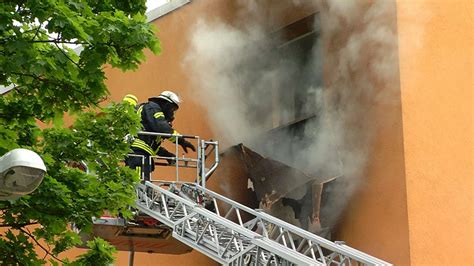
x=298 y=96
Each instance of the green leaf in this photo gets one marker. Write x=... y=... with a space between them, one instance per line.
x=100 y=253
x=58 y=120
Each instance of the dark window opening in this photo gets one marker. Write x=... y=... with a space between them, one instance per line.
x=298 y=96
x=296 y=99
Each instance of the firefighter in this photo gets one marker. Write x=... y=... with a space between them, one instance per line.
x=157 y=116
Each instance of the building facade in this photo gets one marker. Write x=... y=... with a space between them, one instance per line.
x=383 y=88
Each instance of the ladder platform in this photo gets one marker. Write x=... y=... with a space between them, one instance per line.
x=140 y=237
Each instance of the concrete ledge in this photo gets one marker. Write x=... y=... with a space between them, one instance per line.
x=165 y=9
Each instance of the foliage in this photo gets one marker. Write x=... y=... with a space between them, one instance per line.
x=101 y=254
x=48 y=80
x=43 y=67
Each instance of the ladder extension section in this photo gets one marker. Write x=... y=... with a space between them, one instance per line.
x=224 y=237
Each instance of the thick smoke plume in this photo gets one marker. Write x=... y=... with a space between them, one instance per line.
x=241 y=70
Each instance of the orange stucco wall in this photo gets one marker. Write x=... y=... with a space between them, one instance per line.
x=436 y=88
x=375 y=218
x=414 y=205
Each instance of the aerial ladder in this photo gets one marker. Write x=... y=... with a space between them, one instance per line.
x=226 y=231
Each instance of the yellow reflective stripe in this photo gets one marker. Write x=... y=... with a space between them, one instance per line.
x=138 y=143
x=131 y=99
x=139 y=111
x=158 y=115
x=173 y=138
x=131 y=96
x=138 y=170
x=144 y=147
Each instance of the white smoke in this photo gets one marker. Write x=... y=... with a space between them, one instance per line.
x=236 y=69
x=224 y=60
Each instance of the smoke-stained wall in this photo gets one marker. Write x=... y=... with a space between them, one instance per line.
x=239 y=69
x=251 y=77
x=362 y=82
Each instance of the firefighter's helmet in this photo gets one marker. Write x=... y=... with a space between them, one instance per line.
x=168 y=96
x=131 y=99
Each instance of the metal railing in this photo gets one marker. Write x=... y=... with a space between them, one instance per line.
x=205 y=149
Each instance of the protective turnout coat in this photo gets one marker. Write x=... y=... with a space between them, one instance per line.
x=153 y=120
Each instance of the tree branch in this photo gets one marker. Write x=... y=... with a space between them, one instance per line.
x=64 y=53
x=26 y=75
x=17 y=226
x=39 y=244
x=49 y=248
x=57 y=41
x=16 y=88
x=54 y=82
x=37 y=31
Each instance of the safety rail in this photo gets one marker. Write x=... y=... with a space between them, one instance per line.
x=197 y=221
x=199 y=162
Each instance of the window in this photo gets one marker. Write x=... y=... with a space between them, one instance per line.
x=298 y=96
x=295 y=98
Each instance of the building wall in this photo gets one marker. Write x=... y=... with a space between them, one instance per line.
x=168 y=72
x=436 y=74
x=361 y=76
x=414 y=204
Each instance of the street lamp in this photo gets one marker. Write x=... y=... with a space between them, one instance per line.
x=21 y=172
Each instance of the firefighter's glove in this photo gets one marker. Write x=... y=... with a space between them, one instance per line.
x=165 y=153
x=186 y=144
